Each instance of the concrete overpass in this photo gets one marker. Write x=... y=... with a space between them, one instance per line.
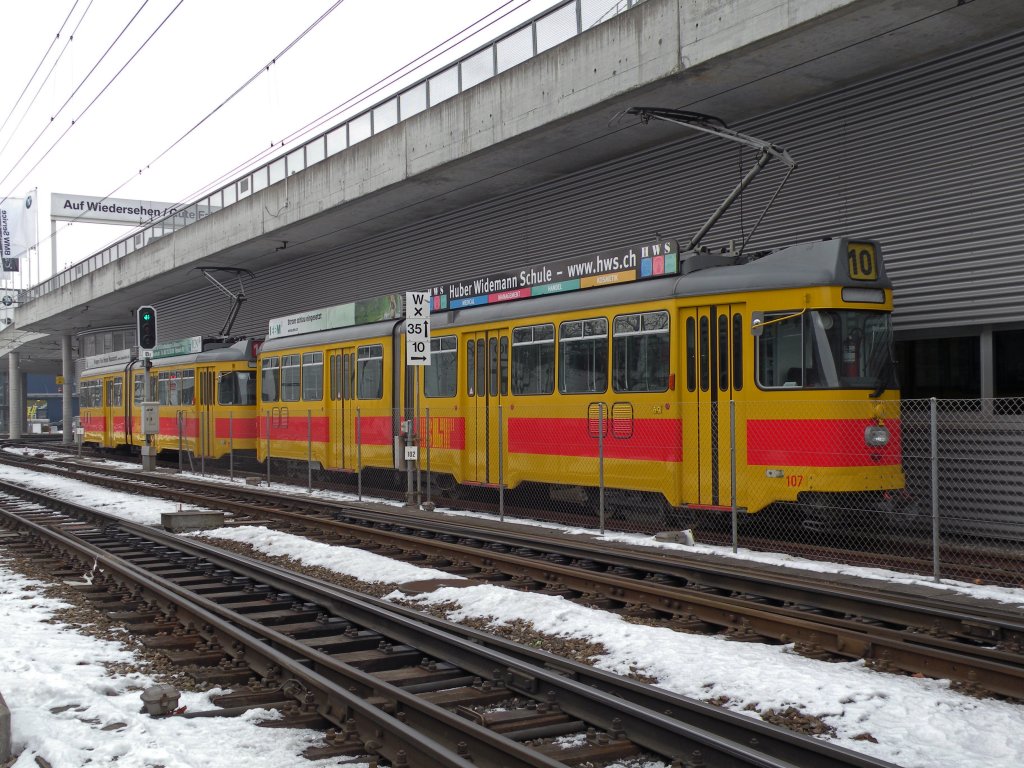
x=552 y=115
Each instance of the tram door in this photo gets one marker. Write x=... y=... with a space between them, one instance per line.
x=486 y=388
x=113 y=412
x=341 y=364
x=205 y=399
x=713 y=339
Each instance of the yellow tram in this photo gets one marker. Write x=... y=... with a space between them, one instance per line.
x=205 y=388
x=646 y=365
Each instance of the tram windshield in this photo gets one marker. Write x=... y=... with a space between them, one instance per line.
x=826 y=349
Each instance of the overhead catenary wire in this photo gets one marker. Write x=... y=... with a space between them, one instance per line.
x=94 y=99
x=438 y=50
x=73 y=93
x=36 y=71
x=371 y=90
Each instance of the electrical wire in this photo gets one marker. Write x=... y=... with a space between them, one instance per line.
x=77 y=89
x=36 y=72
x=95 y=98
x=371 y=90
x=362 y=95
x=45 y=79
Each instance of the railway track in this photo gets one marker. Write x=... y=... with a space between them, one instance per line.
x=994 y=562
x=981 y=649
x=383 y=681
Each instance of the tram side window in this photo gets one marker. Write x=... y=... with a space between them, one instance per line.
x=583 y=356
x=268 y=379
x=291 y=374
x=187 y=395
x=139 y=392
x=167 y=388
x=114 y=389
x=370 y=372
x=640 y=352
x=236 y=388
x=440 y=378
x=312 y=375
x=533 y=360
x=90 y=394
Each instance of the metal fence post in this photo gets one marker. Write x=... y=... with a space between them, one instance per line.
x=359 y=453
x=309 y=451
x=428 y=441
x=181 y=441
x=933 y=407
x=268 y=450
x=732 y=474
x=204 y=431
x=600 y=465
x=231 y=445
x=501 y=469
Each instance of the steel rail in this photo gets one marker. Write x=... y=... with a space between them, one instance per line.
x=922 y=649
x=482 y=654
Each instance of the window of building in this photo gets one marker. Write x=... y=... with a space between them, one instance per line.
x=1008 y=359
x=943 y=368
x=440 y=378
x=640 y=352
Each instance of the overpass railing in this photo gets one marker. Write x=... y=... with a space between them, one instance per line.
x=543 y=32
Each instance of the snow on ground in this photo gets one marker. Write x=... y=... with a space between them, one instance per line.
x=917 y=723
x=66 y=709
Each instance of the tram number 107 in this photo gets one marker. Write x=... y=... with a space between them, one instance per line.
x=861 y=261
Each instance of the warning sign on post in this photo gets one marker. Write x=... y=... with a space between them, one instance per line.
x=417 y=328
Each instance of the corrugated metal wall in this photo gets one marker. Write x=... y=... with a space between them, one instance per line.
x=928 y=160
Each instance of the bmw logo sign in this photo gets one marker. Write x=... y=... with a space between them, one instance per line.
x=28 y=201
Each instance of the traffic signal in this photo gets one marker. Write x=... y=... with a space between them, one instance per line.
x=146 y=317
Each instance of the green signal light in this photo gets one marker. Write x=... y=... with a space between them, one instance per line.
x=146 y=316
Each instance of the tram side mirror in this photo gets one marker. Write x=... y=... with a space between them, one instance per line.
x=756 y=323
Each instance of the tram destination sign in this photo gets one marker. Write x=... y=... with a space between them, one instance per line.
x=610 y=267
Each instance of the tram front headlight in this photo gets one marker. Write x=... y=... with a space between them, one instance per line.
x=876 y=436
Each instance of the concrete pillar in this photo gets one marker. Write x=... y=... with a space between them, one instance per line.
x=68 y=371
x=15 y=398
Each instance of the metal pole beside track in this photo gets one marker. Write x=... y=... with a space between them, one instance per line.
x=600 y=464
x=359 y=453
x=268 y=450
x=501 y=469
x=231 y=445
x=732 y=473
x=427 y=414
x=309 y=451
x=933 y=407
x=181 y=441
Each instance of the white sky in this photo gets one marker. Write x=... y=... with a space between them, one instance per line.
x=918 y=723
x=204 y=52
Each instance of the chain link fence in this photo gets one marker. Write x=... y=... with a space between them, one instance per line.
x=933 y=487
